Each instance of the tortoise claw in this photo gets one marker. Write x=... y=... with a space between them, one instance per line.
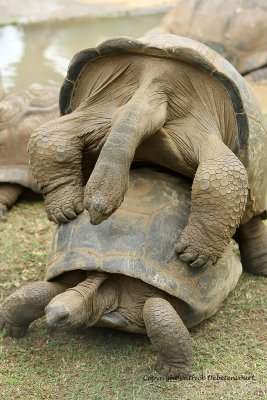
x=195 y=252
x=188 y=256
x=170 y=371
x=181 y=246
x=65 y=204
x=199 y=262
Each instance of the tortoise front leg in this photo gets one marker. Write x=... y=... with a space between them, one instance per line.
x=55 y=152
x=219 y=195
x=169 y=336
x=9 y=193
x=26 y=305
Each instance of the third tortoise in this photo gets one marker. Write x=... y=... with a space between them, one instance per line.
x=236 y=29
x=20 y=114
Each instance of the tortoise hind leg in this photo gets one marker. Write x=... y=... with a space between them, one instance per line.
x=140 y=118
x=252 y=240
x=9 y=193
x=169 y=336
x=25 y=305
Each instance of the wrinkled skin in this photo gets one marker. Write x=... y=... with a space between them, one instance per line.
x=101 y=300
x=164 y=112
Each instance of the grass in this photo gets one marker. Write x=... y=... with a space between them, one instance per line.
x=98 y=364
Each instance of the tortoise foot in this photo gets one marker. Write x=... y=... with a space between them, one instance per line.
x=169 y=336
x=64 y=204
x=10 y=329
x=171 y=371
x=99 y=209
x=198 y=249
x=3 y=211
x=258 y=269
x=104 y=193
x=252 y=240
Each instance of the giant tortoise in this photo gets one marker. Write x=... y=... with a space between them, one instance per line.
x=20 y=114
x=125 y=274
x=236 y=29
x=170 y=101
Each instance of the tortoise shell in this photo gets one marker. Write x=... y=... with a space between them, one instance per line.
x=236 y=29
x=251 y=138
x=20 y=114
x=138 y=240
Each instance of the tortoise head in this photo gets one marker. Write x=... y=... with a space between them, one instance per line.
x=66 y=310
x=76 y=307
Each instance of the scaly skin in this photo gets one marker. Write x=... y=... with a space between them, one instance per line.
x=219 y=196
x=58 y=152
x=169 y=336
